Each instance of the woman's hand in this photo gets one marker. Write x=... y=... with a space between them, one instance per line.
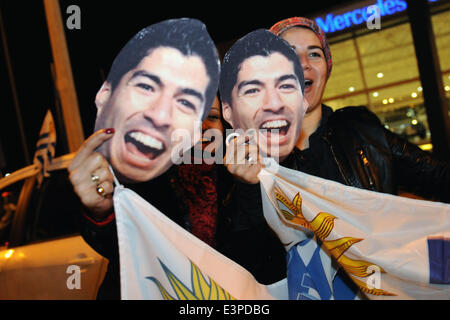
x=90 y=176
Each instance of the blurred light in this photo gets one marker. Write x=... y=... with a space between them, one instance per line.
x=9 y=253
x=351 y=89
x=414 y=95
x=7 y=174
x=426 y=147
x=391 y=100
x=414 y=121
x=380 y=75
x=375 y=94
x=419 y=89
x=385 y=101
x=447 y=88
x=386 y=126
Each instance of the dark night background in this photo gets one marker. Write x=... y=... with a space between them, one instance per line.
x=105 y=27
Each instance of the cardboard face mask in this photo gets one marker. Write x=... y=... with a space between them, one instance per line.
x=161 y=86
x=262 y=87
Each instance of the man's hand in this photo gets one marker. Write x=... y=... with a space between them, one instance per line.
x=242 y=158
x=90 y=176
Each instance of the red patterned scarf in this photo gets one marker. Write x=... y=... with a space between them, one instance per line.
x=198 y=184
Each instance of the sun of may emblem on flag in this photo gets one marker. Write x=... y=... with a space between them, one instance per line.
x=322 y=225
x=200 y=288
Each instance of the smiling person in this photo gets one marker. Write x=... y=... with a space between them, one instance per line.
x=261 y=87
x=350 y=145
x=163 y=81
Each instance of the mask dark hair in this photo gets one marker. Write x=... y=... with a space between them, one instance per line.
x=189 y=36
x=257 y=43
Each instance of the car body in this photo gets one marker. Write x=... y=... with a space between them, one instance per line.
x=43 y=254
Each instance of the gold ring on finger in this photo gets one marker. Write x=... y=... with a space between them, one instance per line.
x=100 y=191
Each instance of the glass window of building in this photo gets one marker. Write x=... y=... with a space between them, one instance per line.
x=441 y=28
x=378 y=69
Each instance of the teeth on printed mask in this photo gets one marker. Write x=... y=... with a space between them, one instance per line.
x=147 y=140
x=274 y=124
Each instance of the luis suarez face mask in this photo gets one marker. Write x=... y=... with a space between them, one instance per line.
x=159 y=89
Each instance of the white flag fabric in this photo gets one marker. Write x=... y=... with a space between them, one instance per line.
x=161 y=260
x=390 y=247
x=341 y=243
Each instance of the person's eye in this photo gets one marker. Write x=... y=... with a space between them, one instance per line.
x=315 y=54
x=213 y=117
x=187 y=104
x=251 y=91
x=145 y=86
x=287 y=87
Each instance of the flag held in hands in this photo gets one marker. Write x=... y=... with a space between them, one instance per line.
x=390 y=247
x=341 y=243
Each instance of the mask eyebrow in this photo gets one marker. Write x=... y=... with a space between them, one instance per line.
x=193 y=92
x=286 y=77
x=143 y=73
x=250 y=82
x=157 y=80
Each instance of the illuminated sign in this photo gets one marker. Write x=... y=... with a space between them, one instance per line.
x=333 y=23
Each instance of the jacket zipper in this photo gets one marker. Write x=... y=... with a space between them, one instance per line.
x=365 y=163
x=337 y=162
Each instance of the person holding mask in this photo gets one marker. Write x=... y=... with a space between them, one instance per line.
x=261 y=87
x=163 y=81
x=350 y=145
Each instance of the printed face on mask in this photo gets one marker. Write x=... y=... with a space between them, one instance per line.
x=267 y=97
x=165 y=92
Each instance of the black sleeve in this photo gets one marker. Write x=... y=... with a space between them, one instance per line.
x=248 y=211
x=418 y=171
x=102 y=238
x=247 y=239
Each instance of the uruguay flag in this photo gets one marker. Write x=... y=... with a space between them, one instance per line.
x=348 y=243
x=341 y=243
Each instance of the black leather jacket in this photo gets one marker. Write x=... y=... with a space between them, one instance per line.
x=371 y=157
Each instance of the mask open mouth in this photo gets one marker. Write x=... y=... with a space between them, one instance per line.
x=142 y=146
x=280 y=127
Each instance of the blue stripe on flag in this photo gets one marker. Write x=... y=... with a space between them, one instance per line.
x=300 y=283
x=439 y=260
x=42 y=146
x=306 y=279
x=343 y=287
x=44 y=135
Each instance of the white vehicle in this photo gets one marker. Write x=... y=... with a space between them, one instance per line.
x=42 y=255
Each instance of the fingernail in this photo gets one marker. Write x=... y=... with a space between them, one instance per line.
x=109 y=131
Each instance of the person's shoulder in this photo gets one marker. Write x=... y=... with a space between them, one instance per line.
x=354 y=115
